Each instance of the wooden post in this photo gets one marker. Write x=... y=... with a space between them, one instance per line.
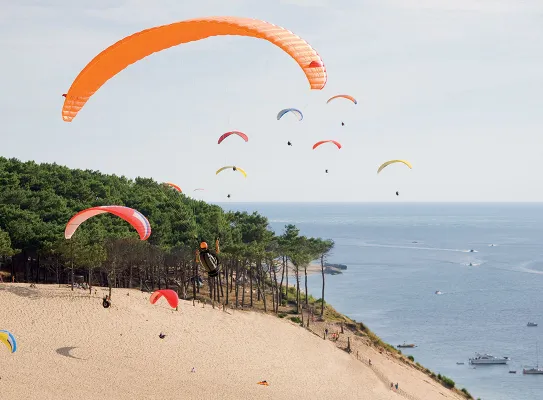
x=342 y=327
x=348 y=344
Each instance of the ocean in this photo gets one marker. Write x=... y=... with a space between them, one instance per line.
x=399 y=255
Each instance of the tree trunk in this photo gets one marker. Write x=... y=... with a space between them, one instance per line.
x=322 y=295
x=244 y=278
x=251 y=283
x=285 y=263
x=226 y=282
x=305 y=273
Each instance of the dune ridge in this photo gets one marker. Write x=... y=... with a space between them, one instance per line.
x=72 y=347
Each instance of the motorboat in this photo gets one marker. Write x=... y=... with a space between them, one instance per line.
x=406 y=345
x=439 y=292
x=472 y=251
x=484 y=359
x=531 y=324
x=512 y=372
x=459 y=363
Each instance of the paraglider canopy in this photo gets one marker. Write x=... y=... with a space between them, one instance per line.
x=345 y=96
x=227 y=134
x=9 y=340
x=133 y=48
x=327 y=141
x=173 y=185
x=294 y=111
x=133 y=217
x=384 y=165
x=169 y=295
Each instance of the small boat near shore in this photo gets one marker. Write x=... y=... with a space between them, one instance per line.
x=531 y=324
x=406 y=345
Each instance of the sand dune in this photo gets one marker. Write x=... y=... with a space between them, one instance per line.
x=71 y=347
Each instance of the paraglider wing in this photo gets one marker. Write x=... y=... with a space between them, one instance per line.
x=327 y=141
x=176 y=187
x=240 y=134
x=345 y=96
x=133 y=217
x=231 y=166
x=9 y=340
x=384 y=165
x=294 y=111
x=170 y=295
x=133 y=48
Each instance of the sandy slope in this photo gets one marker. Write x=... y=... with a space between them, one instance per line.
x=116 y=353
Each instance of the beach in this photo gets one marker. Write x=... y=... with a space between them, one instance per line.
x=69 y=346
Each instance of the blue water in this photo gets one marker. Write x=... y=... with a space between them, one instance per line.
x=390 y=283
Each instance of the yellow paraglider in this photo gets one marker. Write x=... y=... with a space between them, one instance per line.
x=384 y=165
x=233 y=168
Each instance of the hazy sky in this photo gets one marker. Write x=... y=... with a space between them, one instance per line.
x=454 y=86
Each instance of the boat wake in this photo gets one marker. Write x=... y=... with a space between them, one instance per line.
x=396 y=246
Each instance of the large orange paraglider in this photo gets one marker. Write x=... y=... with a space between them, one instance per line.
x=133 y=217
x=327 y=141
x=170 y=295
x=133 y=48
x=240 y=134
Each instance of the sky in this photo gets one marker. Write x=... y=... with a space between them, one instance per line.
x=453 y=86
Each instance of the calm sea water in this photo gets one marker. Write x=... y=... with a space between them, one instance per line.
x=399 y=255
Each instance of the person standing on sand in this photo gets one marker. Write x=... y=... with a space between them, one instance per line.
x=326 y=332
x=396 y=385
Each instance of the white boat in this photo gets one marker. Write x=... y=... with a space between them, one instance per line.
x=536 y=370
x=488 y=359
x=531 y=324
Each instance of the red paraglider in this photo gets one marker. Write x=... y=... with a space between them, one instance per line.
x=170 y=295
x=240 y=134
x=133 y=217
x=327 y=141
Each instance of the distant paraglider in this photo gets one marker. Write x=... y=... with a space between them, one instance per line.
x=294 y=111
x=326 y=170
x=327 y=141
x=384 y=165
x=228 y=196
x=289 y=144
x=344 y=96
x=227 y=134
x=234 y=168
x=9 y=340
x=170 y=295
x=133 y=217
x=173 y=185
x=397 y=193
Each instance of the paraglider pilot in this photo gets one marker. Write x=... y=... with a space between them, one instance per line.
x=209 y=260
x=326 y=171
x=290 y=144
x=397 y=193
x=234 y=169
